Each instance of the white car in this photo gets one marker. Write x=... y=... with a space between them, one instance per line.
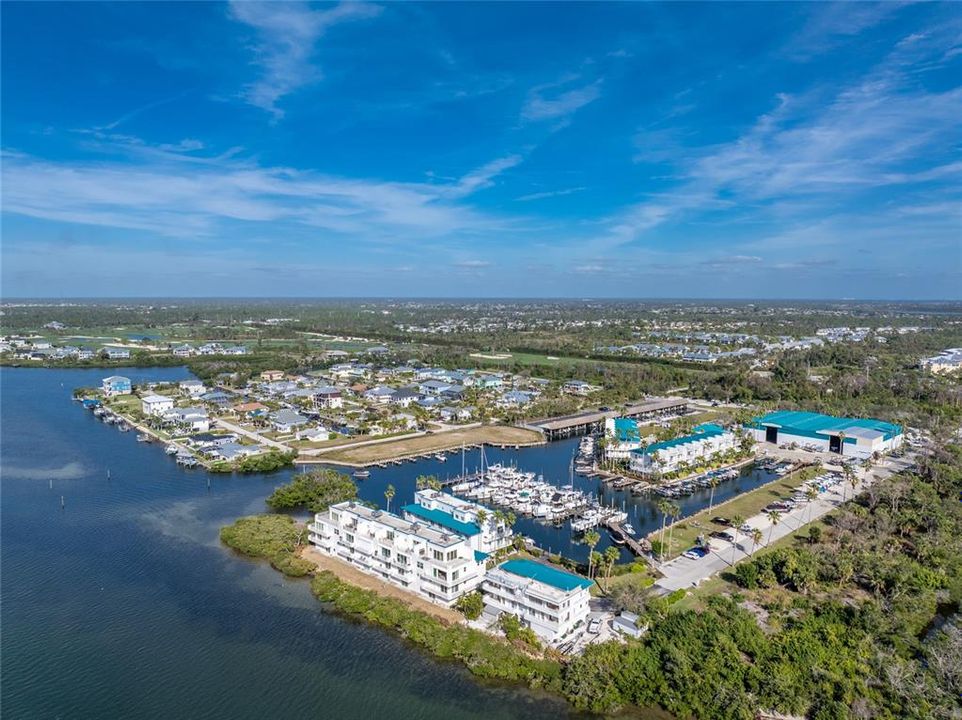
x=594 y=626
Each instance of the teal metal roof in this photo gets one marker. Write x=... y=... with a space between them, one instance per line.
x=795 y=422
x=699 y=433
x=480 y=556
x=445 y=520
x=560 y=579
x=626 y=430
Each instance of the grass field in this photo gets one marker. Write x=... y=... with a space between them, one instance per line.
x=746 y=505
x=492 y=434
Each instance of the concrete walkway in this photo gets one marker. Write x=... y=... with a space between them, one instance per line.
x=683 y=572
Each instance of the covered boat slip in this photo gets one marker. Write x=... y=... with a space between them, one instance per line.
x=584 y=422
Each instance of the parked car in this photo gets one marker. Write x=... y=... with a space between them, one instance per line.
x=747 y=529
x=594 y=626
x=695 y=553
x=718 y=520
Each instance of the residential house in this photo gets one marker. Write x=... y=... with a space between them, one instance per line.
x=578 y=387
x=286 y=421
x=380 y=394
x=446 y=512
x=192 y=388
x=116 y=385
x=156 y=405
x=326 y=398
x=116 y=353
x=272 y=375
x=404 y=396
x=191 y=419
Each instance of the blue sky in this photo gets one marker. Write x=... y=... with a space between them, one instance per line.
x=499 y=149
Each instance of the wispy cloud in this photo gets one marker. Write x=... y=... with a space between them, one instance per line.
x=549 y=194
x=558 y=100
x=483 y=177
x=180 y=195
x=831 y=24
x=287 y=36
x=812 y=150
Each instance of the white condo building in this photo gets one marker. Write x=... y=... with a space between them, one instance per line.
x=452 y=514
x=441 y=566
x=550 y=601
x=706 y=441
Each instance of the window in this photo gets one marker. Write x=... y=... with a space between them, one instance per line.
x=385 y=552
x=453 y=554
x=350 y=538
x=402 y=559
x=456 y=574
x=390 y=534
x=438 y=555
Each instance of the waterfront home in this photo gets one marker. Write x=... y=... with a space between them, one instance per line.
x=116 y=353
x=231 y=451
x=705 y=442
x=477 y=523
x=116 y=385
x=454 y=392
x=315 y=434
x=441 y=566
x=855 y=437
x=211 y=439
x=156 y=405
x=86 y=353
x=286 y=421
x=183 y=351
x=192 y=388
x=326 y=398
x=190 y=419
x=552 y=602
x=272 y=375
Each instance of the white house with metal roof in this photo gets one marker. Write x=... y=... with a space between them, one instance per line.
x=156 y=404
x=552 y=602
x=439 y=565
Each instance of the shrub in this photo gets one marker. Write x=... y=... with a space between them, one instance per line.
x=315 y=490
x=470 y=605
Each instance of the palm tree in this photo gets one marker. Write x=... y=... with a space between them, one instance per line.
x=713 y=481
x=756 y=538
x=591 y=539
x=611 y=556
x=737 y=522
x=482 y=516
x=389 y=495
x=675 y=512
x=854 y=480
x=664 y=507
x=811 y=495
x=774 y=517
x=849 y=474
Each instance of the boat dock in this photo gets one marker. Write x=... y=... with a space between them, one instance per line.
x=638 y=547
x=592 y=421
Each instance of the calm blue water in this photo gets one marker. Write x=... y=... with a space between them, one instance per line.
x=552 y=461
x=124 y=604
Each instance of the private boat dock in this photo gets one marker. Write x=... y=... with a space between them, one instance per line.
x=593 y=421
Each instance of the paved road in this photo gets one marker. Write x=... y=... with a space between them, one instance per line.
x=253 y=435
x=683 y=572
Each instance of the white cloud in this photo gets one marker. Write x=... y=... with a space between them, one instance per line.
x=473 y=264
x=180 y=195
x=287 y=35
x=552 y=102
x=549 y=194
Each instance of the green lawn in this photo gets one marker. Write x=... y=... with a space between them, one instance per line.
x=746 y=505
